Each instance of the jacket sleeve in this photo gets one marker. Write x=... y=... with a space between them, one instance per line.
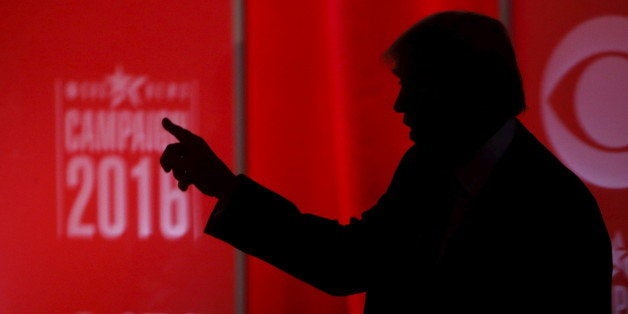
x=319 y=251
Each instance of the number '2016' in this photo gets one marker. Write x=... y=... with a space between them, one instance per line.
x=108 y=179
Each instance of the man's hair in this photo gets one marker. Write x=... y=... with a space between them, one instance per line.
x=467 y=51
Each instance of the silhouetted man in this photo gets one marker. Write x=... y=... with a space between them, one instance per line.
x=479 y=216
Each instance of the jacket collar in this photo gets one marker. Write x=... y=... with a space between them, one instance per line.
x=474 y=174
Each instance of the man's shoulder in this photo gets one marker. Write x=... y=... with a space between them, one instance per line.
x=530 y=159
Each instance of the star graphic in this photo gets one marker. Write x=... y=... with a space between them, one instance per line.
x=124 y=86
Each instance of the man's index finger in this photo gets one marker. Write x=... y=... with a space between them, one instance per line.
x=179 y=133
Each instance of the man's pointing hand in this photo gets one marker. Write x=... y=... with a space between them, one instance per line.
x=192 y=161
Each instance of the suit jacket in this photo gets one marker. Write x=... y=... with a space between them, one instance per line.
x=532 y=241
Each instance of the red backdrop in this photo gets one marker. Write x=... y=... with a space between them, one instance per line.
x=83 y=86
x=89 y=222
x=321 y=128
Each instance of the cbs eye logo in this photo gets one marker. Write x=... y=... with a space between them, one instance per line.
x=584 y=104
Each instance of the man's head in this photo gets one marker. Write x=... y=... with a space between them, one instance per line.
x=459 y=80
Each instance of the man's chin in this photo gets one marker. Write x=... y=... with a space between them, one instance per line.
x=437 y=152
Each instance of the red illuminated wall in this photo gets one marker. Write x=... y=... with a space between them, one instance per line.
x=90 y=224
x=320 y=119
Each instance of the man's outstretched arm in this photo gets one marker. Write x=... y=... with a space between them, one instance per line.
x=319 y=251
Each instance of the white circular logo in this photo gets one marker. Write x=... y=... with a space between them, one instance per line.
x=588 y=128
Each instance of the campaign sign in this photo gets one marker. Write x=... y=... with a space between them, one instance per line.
x=109 y=139
x=90 y=223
